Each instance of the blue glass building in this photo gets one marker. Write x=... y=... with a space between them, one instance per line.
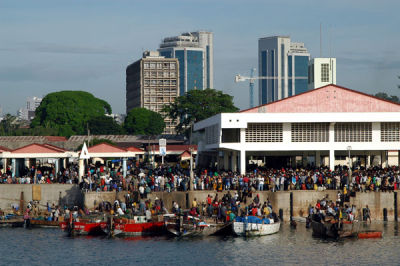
x=194 y=52
x=285 y=64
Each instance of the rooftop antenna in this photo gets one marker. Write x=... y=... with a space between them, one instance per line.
x=320 y=39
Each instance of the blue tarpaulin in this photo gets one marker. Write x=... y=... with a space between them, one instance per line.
x=252 y=219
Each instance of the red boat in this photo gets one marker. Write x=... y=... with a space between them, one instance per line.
x=83 y=227
x=138 y=225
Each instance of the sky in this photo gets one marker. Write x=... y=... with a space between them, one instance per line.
x=54 y=45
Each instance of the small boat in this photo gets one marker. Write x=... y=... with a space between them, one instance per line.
x=254 y=226
x=187 y=225
x=369 y=234
x=44 y=223
x=83 y=227
x=332 y=228
x=135 y=226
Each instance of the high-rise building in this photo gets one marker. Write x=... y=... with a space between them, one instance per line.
x=285 y=63
x=321 y=72
x=28 y=112
x=151 y=83
x=194 y=51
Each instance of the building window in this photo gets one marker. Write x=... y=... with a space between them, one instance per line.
x=212 y=134
x=172 y=66
x=390 y=132
x=230 y=135
x=310 y=132
x=324 y=72
x=264 y=132
x=146 y=65
x=353 y=132
x=152 y=65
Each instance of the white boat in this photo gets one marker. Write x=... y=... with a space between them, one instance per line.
x=247 y=228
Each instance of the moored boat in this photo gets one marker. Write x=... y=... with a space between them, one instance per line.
x=254 y=226
x=83 y=227
x=135 y=226
x=187 y=225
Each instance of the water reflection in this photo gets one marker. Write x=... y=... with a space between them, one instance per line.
x=289 y=246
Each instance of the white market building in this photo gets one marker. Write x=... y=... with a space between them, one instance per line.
x=318 y=127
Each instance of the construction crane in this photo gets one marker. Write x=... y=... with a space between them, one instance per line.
x=252 y=78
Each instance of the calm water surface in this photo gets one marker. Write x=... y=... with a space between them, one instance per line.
x=288 y=247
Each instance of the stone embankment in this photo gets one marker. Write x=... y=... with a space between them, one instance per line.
x=383 y=205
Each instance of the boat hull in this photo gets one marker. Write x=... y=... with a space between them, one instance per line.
x=83 y=228
x=255 y=229
x=137 y=229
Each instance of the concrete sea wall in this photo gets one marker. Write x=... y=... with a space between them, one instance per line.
x=59 y=194
x=376 y=201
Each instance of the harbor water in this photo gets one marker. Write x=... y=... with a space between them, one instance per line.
x=20 y=246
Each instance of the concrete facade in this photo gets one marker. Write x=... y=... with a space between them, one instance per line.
x=63 y=194
x=327 y=124
x=321 y=72
x=151 y=83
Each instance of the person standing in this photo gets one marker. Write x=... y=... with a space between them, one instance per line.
x=367 y=214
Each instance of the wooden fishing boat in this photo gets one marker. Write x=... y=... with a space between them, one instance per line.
x=83 y=227
x=44 y=223
x=332 y=228
x=135 y=226
x=187 y=225
x=254 y=226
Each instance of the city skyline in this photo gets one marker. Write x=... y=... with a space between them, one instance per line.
x=81 y=50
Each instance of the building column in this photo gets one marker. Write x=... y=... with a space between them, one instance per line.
x=27 y=163
x=57 y=166
x=332 y=160
x=5 y=161
x=368 y=161
x=64 y=163
x=81 y=169
x=318 y=158
x=242 y=162
x=234 y=161
x=124 y=167
x=226 y=161
x=14 y=166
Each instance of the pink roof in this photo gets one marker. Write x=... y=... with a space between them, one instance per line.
x=105 y=148
x=2 y=149
x=134 y=149
x=330 y=98
x=37 y=148
x=185 y=155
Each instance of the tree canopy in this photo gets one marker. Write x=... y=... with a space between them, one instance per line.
x=385 y=96
x=104 y=125
x=197 y=105
x=69 y=111
x=140 y=121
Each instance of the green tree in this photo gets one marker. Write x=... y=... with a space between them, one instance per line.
x=197 y=105
x=69 y=111
x=104 y=125
x=140 y=121
x=385 y=96
x=8 y=125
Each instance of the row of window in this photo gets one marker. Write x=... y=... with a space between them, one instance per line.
x=319 y=132
x=164 y=90
x=159 y=82
x=159 y=74
x=163 y=65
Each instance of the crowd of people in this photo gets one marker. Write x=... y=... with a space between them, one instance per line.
x=174 y=178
